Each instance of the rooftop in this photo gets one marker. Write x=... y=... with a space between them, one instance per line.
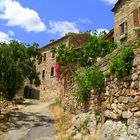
x=117 y=3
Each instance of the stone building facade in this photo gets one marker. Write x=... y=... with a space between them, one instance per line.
x=126 y=17
x=50 y=86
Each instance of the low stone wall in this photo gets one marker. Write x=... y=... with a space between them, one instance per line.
x=118 y=100
x=87 y=126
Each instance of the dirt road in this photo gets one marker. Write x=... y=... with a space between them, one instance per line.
x=32 y=123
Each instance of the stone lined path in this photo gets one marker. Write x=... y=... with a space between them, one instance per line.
x=32 y=123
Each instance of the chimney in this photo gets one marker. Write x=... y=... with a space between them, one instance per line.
x=52 y=40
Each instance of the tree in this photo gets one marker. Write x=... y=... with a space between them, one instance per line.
x=17 y=63
x=86 y=55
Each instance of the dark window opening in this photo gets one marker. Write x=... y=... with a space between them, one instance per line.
x=43 y=74
x=122 y=28
x=44 y=56
x=52 y=71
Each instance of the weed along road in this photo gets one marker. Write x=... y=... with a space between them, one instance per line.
x=32 y=123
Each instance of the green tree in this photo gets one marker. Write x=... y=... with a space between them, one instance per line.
x=17 y=63
x=86 y=55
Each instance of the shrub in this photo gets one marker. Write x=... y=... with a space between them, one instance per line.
x=87 y=78
x=121 y=64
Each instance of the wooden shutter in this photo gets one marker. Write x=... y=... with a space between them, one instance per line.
x=139 y=16
x=135 y=17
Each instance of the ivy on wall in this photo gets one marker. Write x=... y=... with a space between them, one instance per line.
x=121 y=64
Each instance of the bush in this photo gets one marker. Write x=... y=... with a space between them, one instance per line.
x=87 y=78
x=121 y=64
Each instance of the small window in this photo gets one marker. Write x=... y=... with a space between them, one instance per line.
x=43 y=74
x=52 y=71
x=122 y=28
x=44 y=56
x=53 y=54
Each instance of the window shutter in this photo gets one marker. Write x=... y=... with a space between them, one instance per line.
x=135 y=17
x=139 y=15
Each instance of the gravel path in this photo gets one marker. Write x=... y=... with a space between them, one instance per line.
x=32 y=123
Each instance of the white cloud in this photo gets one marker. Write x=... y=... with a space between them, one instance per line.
x=110 y=1
x=101 y=30
x=6 y=37
x=11 y=33
x=16 y=15
x=62 y=27
x=85 y=20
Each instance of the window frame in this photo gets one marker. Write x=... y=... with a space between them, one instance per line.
x=43 y=74
x=122 y=28
x=52 y=72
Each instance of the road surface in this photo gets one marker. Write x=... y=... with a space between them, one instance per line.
x=32 y=123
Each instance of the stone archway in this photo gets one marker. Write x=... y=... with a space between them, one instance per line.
x=31 y=93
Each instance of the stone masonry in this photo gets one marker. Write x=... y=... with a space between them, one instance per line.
x=125 y=11
x=49 y=85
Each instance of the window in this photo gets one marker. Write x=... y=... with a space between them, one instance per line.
x=123 y=31
x=44 y=56
x=43 y=74
x=52 y=71
x=122 y=28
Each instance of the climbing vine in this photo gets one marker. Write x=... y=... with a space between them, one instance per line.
x=121 y=64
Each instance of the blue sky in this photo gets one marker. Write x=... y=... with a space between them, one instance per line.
x=39 y=21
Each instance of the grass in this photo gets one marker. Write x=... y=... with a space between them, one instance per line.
x=63 y=122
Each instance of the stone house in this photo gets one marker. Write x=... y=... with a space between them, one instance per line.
x=50 y=85
x=126 y=17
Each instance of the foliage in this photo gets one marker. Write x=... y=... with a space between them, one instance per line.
x=106 y=73
x=95 y=47
x=121 y=64
x=87 y=78
x=137 y=28
x=138 y=42
x=17 y=63
x=65 y=54
x=87 y=55
x=58 y=101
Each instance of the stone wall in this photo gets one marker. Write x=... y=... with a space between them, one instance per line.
x=87 y=126
x=118 y=100
x=123 y=13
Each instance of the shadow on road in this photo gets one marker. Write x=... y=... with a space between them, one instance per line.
x=26 y=119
